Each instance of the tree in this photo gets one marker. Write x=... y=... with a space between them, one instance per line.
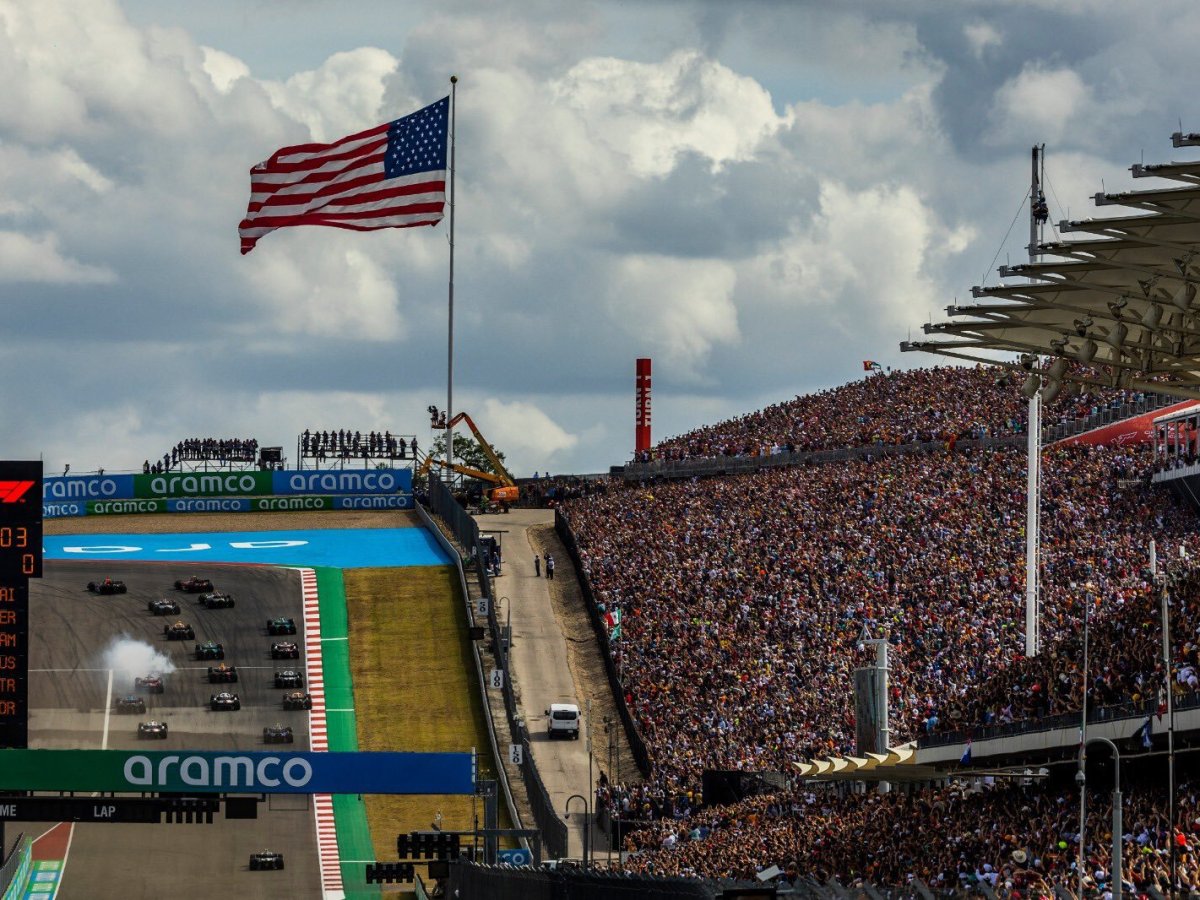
x=466 y=453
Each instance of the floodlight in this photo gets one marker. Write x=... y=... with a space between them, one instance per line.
x=1184 y=296
x=1152 y=316
x=1050 y=391
x=1057 y=370
x=1086 y=352
x=1031 y=385
x=1116 y=335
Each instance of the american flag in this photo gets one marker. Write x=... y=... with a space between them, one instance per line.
x=389 y=176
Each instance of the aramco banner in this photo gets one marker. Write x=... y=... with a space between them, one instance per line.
x=1138 y=430
x=63 y=490
x=230 y=771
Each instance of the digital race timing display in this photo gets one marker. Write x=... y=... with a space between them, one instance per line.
x=20 y=560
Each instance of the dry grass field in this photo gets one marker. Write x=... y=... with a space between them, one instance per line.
x=414 y=688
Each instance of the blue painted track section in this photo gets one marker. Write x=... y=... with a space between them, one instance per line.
x=342 y=549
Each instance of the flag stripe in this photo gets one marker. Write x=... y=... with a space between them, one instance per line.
x=390 y=176
x=370 y=189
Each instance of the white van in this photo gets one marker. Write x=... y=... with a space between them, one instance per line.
x=563 y=720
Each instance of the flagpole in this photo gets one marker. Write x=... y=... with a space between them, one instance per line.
x=450 y=330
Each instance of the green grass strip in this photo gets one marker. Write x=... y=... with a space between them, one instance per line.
x=349 y=812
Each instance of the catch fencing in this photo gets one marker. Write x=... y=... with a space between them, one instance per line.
x=466 y=531
x=14 y=873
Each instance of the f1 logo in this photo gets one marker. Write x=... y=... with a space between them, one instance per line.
x=14 y=491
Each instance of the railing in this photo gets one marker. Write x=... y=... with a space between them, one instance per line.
x=640 y=755
x=1131 y=710
x=464 y=528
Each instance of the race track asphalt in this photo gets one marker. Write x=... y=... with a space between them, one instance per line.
x=69 y=696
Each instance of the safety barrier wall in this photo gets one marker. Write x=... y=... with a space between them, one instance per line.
x=89 y=495
x=14 y=873
x=464 y=528
x=638 y=747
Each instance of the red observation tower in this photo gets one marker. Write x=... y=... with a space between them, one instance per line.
x=642 y=406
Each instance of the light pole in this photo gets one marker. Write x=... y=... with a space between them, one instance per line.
x=591 y=779
x=1079 y=776
x=586 y=818
x=1164 y=596
x=612 y=783
x=1081 y=779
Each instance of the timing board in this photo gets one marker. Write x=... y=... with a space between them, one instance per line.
x=20 y=560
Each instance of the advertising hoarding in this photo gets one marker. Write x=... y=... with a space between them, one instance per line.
x=232 y=771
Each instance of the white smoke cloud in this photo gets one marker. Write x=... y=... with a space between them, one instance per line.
x=130 y=658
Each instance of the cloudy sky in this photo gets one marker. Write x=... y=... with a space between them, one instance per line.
x=757 y=195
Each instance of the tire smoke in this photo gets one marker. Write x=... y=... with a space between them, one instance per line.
x=130 y=659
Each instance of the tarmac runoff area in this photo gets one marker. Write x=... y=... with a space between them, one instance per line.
x=71 y=692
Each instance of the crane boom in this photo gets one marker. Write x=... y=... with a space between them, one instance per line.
x=504 y=492
x=504 y=477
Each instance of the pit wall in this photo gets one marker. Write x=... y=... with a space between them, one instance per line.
x=248 y=491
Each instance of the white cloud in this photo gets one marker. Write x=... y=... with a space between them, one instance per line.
x=37 y=258
x=859 y=265
x=223 y=68
x=1043 y=103
x=523 y=432
x=326 y=292
x=676 y=308
x=342 y=96
x=650 y=113
x=981 y=37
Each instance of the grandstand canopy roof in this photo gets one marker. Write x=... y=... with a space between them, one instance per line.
x=1115 y=302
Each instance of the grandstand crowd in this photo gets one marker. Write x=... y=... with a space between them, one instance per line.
x=1019 y=836
x=343 y=444
x=744 y=601
x=942 y=404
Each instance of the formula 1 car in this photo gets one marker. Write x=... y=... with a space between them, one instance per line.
x=281 y=626
x=278 y=734
x=152 y=683
x=265 y=859
x=210 y=650
x=149 y=731
x=130 y=703
x=285 y=650
x=164 y=607
x=222 y=674
x=297 y=700
x=224 y=701
x=195 y=585
x=179 y=631
x=216 y=600
x=289 y=678
x=107 y=586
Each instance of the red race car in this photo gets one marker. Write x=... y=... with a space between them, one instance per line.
x=195 y=585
